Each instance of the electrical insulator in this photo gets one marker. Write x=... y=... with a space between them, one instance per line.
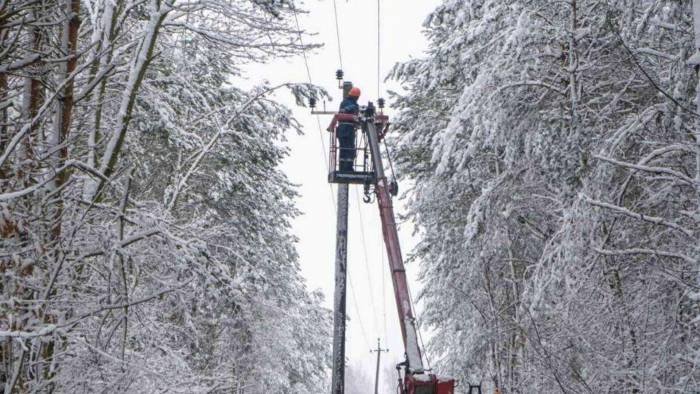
x=369 y=110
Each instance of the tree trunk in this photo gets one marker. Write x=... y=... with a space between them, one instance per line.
x=136 y=74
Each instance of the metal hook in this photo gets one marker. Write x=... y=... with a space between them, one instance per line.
x=368 y=197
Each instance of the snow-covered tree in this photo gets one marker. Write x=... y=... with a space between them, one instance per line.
x=552 y=151
x=146 y=243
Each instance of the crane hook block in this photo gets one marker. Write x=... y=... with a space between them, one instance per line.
x=339 y=75
x=380 y=103
x=312 y=102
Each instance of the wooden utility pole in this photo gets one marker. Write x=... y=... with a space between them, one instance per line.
x=341 y=278
x=379 y=351
x=339 y=301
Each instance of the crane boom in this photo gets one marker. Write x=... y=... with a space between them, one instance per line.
x=416 y=380
x=393 y=249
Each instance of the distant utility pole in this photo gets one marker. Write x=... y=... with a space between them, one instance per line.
x=379 y=351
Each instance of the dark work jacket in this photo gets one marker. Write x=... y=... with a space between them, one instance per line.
x=348 y=106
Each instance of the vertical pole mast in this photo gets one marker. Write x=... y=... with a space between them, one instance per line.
x=339 y=299
x=379 y=351
x=341 y=276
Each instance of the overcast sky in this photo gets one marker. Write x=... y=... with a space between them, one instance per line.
x=371 y=306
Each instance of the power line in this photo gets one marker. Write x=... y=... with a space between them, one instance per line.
x=308 y=75
x=337 y=34
x=383 y=270
x=379 y=48
x=379 y=94
x=325 y=159
x=359 y=317
x=369 y=274
x=303 y=50
x=420 y=336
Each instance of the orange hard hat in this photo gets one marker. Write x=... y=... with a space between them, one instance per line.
x=355 y=92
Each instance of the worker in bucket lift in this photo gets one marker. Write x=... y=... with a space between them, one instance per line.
x=346 y=131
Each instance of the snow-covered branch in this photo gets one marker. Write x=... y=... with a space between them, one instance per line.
x=639 y=216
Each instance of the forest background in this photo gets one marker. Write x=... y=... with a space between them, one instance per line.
x=551 y=153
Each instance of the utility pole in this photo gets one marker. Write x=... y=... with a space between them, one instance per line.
x=339 y=298
x=341 y=278
x=379 y=351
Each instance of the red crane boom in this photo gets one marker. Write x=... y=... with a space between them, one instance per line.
x=416 y=380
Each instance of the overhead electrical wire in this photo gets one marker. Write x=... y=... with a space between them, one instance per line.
x=359 y=317
x=308 y=75
x=337 y=34
x=391 y=165
x=375 y=311
x=357 y=197
x=379 y=94
x=417 y=323
x=383 y=274
x=379 y=48
x=366 y=258
x=325 y=159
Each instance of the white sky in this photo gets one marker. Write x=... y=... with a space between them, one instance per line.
x=371 y=306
